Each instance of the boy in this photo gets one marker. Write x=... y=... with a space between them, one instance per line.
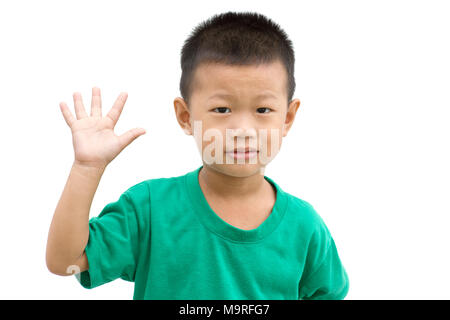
x=223 y=230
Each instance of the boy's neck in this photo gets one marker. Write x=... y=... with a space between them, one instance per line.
x=230 y=187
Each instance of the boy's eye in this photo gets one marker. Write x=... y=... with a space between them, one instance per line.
x=263 y=108
x=227 y=110
x=222 y=109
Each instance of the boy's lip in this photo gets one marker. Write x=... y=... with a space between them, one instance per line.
x=243 y=150
x=242 y=153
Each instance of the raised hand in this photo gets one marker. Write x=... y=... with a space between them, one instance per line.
x=94 y=142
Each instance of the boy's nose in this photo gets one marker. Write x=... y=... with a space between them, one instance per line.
x=242 y=132
x=237 y=137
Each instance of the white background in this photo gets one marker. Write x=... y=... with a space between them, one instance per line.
x=369 y=148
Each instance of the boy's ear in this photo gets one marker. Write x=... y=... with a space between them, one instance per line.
x=290 y=115
x=183 y=115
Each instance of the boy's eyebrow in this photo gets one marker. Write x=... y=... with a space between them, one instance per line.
x=227 y=95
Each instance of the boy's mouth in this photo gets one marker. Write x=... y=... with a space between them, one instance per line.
x=242 y=153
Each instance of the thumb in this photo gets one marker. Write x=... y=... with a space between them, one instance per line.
x=126 y=138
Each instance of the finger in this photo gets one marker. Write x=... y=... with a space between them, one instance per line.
x=117 y=108
x=129 y=136
x=79 y=107
x=68 y=116
x=96 y=103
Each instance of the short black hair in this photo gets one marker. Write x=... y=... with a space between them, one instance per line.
x=236 y=38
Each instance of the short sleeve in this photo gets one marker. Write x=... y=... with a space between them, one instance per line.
x=113 y=245
x=324 y=276
x=328 y=281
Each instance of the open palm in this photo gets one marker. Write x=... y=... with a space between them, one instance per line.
x=94 y=141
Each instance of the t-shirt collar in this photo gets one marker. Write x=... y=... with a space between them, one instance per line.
x=217 y=225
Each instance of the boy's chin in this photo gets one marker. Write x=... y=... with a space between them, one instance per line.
x=238 y=170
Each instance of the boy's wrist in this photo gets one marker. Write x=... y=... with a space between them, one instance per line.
x=90 y=170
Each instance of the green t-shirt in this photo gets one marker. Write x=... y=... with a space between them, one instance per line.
x=163 y=235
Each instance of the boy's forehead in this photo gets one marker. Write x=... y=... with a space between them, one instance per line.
x=219 y=80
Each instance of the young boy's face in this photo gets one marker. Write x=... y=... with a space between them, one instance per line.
x=237 y=107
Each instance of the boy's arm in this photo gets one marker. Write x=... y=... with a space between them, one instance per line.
x=69 y=230
x=95 y=146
